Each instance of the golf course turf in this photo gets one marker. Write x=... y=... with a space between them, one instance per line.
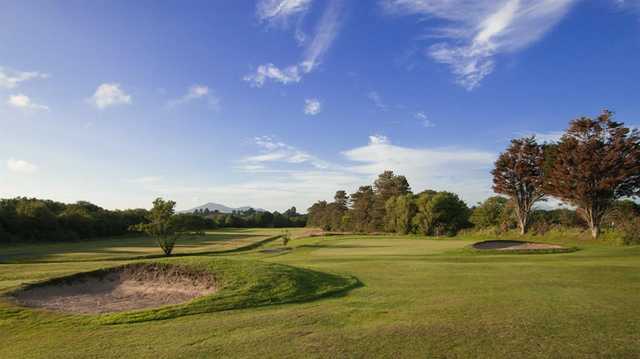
x=346 y=296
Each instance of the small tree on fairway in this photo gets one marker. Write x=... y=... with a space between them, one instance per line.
x=596 y=162
x=161 y=226
x=286 y=237
x=519 y=175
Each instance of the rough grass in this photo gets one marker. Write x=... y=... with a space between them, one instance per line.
x=419 y=298
x=133 y=247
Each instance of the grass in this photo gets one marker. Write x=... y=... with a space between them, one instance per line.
x=133 y=247
x=418 y=297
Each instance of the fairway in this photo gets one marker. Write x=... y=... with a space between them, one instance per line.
x=415 y=297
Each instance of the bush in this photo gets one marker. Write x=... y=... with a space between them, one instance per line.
x=630 y=229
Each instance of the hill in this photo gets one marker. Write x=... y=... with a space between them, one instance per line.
x=221 y=208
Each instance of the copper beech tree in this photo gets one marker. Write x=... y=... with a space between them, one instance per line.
x=519 y=175
x=596 y=162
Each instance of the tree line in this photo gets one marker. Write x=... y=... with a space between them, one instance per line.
x=389 y=205
x=37 y=220
x=251 y=218
x=594 y=168
x=32 y=219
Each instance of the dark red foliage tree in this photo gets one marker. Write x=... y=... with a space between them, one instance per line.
x=596 y=162
x=519 y=175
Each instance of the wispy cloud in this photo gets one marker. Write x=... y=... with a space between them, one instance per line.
x=375 y=97
x=197 y=92
x=276 y=151
x=109 y=94
x=312 y=106
x=24 y=102
x=21 y=166
x=281 y=175
x=281 y=10
x=10 y=79
x=424 y=119
x=461 y=170
x=145 y=179
x=324 y=35
x=266 y=72
x=477 y=31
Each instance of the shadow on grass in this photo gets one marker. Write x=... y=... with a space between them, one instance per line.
x=34 y=254
x=340 y=246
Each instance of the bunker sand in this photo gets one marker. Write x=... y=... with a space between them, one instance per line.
x=119 y=289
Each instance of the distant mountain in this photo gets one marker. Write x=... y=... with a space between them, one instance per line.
x=221 y=208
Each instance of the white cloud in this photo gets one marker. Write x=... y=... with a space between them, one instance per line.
x=324 y=35
x=477 y=31
x=460 y=170
x=423 y=118
x=274 y=151
x=375 y=97
x=196 y=92
x=145 y=179
x=266 y=72
x=378 y=140
x=24 y=102
x=312 y=106
x=21 y=166
x=280 y=10
x=11 y=79
x=110 y=94
x=281 y=175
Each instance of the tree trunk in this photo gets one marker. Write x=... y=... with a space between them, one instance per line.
x=593 y=220
x=595 y=231
x=523 y=222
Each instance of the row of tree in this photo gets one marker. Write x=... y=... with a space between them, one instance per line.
x=31 y=219
x=37 y=220
x=593 y=168
x=251 y=218
x=390 y=206
x=499 y=214
x=595 y=164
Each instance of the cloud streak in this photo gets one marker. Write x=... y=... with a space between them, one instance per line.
x=21 y=166
x=10 y=79
x=197 y=92
x=280 y=175
x=281 y=10
x=476 y=32
x=325 y=33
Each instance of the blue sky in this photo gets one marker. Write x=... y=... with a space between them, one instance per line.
x=274 y=103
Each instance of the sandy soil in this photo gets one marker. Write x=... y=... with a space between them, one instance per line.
x=514 y=245
x=123 y=289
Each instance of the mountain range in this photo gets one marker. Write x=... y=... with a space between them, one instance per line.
x=221 y=208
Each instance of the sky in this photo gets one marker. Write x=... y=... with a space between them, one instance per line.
x=279 y=103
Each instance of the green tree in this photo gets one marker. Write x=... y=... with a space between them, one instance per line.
x=490 y=213
x=160 y=225
x=387 y=185
x=400 y=211
x=363 y=202
x=440 y=214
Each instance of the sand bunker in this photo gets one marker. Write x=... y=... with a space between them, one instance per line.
x=515 y=246
x=119 y=289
